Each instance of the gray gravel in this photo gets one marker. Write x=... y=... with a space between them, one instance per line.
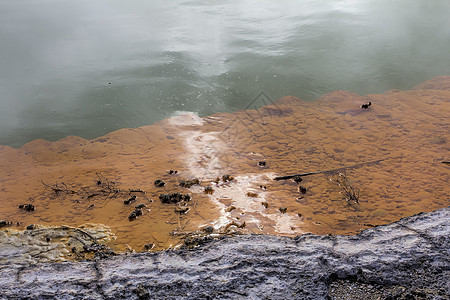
x=408 y=259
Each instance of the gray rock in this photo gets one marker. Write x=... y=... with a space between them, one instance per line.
x=408 y=259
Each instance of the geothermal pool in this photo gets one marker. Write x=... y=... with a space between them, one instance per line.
x=391 y=152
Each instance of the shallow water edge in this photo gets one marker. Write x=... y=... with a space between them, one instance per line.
x=391 y=153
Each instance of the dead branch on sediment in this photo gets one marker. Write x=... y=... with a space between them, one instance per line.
x=184 y=226
x=103 y=187
x=194 y=206
x=153 y=237
x=350 y=193
x=191 y=239
x=136 y=191
x=67 y=229
x=58 y=188
x=328 y=171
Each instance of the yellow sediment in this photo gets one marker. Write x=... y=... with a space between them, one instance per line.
x=406 y=130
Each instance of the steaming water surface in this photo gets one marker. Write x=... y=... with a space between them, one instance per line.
x=87 y=68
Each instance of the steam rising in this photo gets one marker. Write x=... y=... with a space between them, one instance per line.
x=87 y=68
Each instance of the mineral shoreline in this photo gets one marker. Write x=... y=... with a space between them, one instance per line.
x=408 y=259
x=390 y=153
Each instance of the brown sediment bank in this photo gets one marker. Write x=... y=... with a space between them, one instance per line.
x=395 y=146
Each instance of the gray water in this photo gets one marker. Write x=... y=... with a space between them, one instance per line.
x=89 y=67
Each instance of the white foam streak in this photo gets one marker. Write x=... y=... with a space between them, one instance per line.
x=203 y=152
x=235 y=193
x=186 y=118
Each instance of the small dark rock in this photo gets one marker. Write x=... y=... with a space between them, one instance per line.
x=131 y=199
x=297 y=179
x=173 y=172
x=189 y=183
x=227 y=177
x=159 y=183
x=149 y=246
x=181 y=209
x=30 y=227
x=3 y=223
x=173 y=198
x=208 y=190
x=140 y=205
x=208 y=229
x=47 y=239
x=302 y=189
x=262 y=163
x=134 y=214
x=230 y=209
x=191 y=242
x=27 y=207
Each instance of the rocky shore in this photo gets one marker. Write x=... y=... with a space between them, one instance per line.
x=408 y=259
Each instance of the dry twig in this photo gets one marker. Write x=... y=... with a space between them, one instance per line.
x=350 y=193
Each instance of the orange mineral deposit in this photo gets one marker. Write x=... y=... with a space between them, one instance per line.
x=388 y=154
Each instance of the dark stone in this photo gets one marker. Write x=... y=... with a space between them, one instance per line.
x=227 y=177
x=149 y=246
x=302 y=189
x=27 y=207
x=208 y=229
x=173 y=198
x=141 y=205
x=30 y=227
x=129 y=200
x=297 y=178
x=189 y=183
x=135 y=213
x=159 y=183
x=408 y=259
x=181 y=210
